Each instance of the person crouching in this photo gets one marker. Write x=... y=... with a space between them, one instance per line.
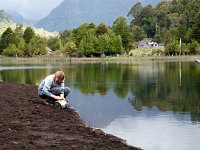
x=52 y=88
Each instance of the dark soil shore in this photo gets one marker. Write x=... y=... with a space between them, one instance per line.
x=26 y=123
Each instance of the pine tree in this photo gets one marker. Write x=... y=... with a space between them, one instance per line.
x=28 y=34
x=6 y=39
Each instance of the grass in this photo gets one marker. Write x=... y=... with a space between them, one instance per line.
x=146 y=52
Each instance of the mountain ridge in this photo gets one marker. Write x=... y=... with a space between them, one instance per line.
x=72 y=13
x=4 y=16
x=6 y=21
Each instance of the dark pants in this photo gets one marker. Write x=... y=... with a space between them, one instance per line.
x=56 y=91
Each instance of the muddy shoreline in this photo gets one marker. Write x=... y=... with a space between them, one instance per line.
x=26 y=123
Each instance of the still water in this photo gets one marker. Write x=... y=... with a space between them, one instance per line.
x=152 y=105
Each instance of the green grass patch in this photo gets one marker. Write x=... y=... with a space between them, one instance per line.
x=146 y=52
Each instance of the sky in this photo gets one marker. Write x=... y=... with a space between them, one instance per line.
x=30 y=9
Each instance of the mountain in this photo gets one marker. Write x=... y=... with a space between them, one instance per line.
x=6 y=21
x=18 y=18
x=4 y=16
x=72 y=13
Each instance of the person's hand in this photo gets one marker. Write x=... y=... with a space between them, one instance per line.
x=58 y=98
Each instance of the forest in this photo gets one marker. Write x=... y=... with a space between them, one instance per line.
x=175 y=23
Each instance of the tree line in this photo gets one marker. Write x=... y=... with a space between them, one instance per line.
x=21 y=43
x=169 y=23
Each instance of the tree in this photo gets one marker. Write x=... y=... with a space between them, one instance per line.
x=103 y=47
x=12 y=50
x=21 y=45
x=18 y=33
x=101 y=29
x=195 y=34
x=82 y=31
x=121 y=27
x=66 y=36
x=174 y=19
x=135 y=10
x=193 y=47
x=157 y=37
x=36 y=46
x=28 y=34
x=8 y=37
x=146 y=19
x=168 y=36
x=70 y=48
x=54 y=43
x=117 y=43
x=172 y=48
x=19 y=30
x=184 y=48
x=109 y=44
x=88 y=45
x=162 y=9
x=138 y=33
x=182 y=30
x=191 y=11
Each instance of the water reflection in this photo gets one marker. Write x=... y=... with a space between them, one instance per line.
x=25 y=67
x=162 y=132
x=150 y=129
x=153 y=105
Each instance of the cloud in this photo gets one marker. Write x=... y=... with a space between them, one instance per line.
x=30 y=9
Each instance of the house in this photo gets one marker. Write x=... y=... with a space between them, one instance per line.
x=149 y=44
x=49 y=51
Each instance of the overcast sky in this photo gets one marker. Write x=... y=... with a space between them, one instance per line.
x=30 y=9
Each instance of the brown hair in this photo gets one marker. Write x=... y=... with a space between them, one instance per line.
x=60 y=75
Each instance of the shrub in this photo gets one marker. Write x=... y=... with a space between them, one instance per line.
x=11 y=50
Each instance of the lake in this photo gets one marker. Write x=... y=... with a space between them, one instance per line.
x=154 y=105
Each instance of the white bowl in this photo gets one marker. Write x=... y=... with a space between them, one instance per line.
x=60 y=104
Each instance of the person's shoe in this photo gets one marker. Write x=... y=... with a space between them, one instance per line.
x=57 y=105
x=47 y=103
x=50 y=100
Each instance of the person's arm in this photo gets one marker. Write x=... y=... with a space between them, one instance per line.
x=56 y=97
x=62 y=92
x=47 y=86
